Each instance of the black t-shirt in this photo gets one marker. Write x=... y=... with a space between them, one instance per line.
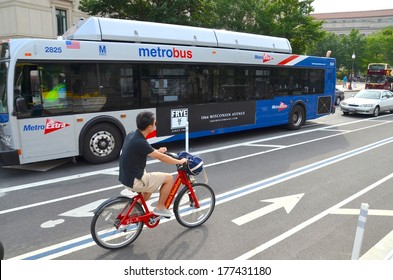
x=132 y=160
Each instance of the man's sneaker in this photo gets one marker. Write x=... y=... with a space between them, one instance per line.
x=162 y=212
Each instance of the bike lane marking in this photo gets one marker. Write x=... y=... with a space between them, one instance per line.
x=83 y=242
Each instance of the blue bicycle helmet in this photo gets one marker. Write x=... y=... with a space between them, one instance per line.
x=195 y=163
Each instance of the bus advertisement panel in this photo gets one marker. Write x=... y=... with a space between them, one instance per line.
x=79 y=96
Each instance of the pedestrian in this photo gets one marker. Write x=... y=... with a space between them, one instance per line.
x=345 y=79
x=132 y=164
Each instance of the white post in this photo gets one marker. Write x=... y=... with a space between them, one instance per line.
x=360 y=231
x=187 y=132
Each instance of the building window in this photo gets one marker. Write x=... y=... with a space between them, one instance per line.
x=61 y=18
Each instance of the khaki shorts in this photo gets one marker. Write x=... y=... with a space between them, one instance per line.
x=150 y=182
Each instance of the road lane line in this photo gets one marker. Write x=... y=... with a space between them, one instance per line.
x=58 y=199
x=371 y=212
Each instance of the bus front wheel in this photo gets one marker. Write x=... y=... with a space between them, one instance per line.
x=297 y=117
x=102 y=143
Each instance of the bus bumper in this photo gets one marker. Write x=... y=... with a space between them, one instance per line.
x=8 y=156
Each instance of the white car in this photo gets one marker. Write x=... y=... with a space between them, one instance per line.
x=369 y=101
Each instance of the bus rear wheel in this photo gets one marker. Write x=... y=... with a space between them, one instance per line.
x=102 y=143
x=297 y=117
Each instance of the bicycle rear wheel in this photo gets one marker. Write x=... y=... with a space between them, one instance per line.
x=104 y=224
x=184 y=207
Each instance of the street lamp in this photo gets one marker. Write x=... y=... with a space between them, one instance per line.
x=352 y=74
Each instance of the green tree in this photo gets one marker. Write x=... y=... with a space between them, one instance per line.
x=282 y=18
x=354 y=43
x=379 y=47
x=185 y=12
x=290 y=19
x=236 y=15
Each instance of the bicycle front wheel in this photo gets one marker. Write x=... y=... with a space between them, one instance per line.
x=104 y=226
x=184 y=208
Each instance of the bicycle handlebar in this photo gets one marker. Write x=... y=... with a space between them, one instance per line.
x=176 y=156
x=172 y=155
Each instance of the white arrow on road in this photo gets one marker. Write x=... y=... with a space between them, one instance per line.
x=287 y=202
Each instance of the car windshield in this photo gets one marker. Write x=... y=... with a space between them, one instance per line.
x=368 y=94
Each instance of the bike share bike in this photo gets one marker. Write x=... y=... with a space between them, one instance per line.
x=119 y=221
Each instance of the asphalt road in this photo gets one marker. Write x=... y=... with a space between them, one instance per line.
x=303 y=189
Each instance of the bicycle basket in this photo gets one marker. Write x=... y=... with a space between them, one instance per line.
x=194 y=164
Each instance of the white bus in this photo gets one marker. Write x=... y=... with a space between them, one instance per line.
x=80 y=94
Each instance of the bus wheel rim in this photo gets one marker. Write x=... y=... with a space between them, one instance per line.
x=102 y=143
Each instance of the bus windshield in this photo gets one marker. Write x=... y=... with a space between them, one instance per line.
x=3 y=87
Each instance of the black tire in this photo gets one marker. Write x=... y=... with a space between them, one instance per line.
x=103 y=226
x=376 y=112
x=102 y=143
x=338 y=101
x=297 y=117
x=189 y=216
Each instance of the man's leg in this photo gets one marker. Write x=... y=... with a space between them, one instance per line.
x=164 y=191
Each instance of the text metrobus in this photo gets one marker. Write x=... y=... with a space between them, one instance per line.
x=79 y=95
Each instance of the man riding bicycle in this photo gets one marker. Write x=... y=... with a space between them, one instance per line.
x=132 y=164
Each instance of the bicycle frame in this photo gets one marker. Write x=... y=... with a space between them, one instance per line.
x=149 y=218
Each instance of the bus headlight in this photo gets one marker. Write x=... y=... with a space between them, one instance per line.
x=7 y=140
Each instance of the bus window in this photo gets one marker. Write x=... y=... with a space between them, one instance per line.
x=234 y=84
x=27 y=93
x=164 y=84
x=85 y=88
x=117 y=86
x=55 y=88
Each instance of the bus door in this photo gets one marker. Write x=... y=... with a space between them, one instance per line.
x=45 y=131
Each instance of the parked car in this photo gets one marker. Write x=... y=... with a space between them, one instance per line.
x=339 y=97
x=369 y=101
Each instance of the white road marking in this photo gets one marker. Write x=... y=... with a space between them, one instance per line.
x=371 y=212
x=382 y=250
x=286 y=202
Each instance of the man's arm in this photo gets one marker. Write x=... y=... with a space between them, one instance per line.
x=159 y=154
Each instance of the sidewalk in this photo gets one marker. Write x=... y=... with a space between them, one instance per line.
x=355 y=87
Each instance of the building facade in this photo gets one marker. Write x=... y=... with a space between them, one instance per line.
x=41 y=19
x=366 y=22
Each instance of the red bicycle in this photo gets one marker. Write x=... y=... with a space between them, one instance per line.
x=119 y=221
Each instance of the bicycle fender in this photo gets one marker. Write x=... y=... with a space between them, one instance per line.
x=110 y=200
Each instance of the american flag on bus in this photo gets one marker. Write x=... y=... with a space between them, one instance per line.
x=76 y=45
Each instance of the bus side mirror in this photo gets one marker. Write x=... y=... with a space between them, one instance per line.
x=20 y=105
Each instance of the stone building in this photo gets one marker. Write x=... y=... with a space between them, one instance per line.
x=366 y=22
x=38 y=18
